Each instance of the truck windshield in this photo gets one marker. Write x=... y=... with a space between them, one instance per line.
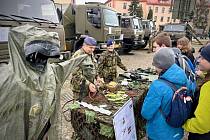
x=174 y=28
x=140 y=25
x=110 y=18
x=152 y=25
x=136 y=23
x=43 y=9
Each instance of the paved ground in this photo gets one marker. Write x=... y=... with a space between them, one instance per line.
x=135 y=59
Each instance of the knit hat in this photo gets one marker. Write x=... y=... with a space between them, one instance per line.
x=109 y=42
x=90 y=41
x=205 y=53
x=164 y=58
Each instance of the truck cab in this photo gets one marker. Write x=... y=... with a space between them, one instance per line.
x=93 y=19
x=133 y=33
x=39 y=13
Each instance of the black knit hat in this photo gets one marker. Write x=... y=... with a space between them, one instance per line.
x=205 y=53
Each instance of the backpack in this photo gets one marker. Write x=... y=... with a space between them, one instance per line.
x=182 y=59
x=181 y=106
x=184 y=62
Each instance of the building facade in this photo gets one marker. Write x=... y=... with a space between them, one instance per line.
x=162 y=13
x=161 y=9
x=121 y=6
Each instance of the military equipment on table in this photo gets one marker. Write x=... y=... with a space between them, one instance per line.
x=39 y=13
x=149 y=29
x=147 y=71
x=112 y=86
x=91 y=125
x=133 y=33
x=93 y=19
x=139 y=74
x=95 y=129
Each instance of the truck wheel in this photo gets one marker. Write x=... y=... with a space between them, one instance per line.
x=127 y=50
x=127 y=45
x=144 y=46
x=137 y=47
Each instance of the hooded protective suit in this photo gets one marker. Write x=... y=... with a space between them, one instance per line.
x=30 y=98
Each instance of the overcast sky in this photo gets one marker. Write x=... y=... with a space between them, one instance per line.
x=83 y=1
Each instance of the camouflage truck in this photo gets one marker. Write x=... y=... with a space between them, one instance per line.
x=178 y=30
x=133 y=33
x=93 y=19
x=150 y=30
x=39 y=13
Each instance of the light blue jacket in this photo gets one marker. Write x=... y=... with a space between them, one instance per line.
x=159 y=96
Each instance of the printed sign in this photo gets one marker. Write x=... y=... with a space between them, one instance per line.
x=124 y=122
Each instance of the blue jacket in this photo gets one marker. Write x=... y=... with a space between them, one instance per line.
x=160 y=96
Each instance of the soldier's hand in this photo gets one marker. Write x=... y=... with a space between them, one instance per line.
x=92 y=87
x=100 y=80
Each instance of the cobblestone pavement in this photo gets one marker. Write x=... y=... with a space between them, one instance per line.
x=135 y=59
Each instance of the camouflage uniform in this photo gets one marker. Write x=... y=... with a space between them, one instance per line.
x=84 y=75
x=108 y=63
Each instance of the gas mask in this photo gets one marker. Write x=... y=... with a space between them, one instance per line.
x=37 y=53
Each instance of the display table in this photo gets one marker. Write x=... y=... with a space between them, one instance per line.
x=90 y=124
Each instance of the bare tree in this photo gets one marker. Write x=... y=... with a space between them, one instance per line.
x=201 y=15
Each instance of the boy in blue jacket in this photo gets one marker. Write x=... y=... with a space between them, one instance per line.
x=160 y=95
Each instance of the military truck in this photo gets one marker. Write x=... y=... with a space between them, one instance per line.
x=150 y=30
x=93 y=19
x=178 y=30
x=40 y=13
x=133 y=33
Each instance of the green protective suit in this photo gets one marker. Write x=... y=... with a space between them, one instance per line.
x=29 y=99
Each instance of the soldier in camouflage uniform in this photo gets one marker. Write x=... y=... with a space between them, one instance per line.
x=83 y=79
x=108 y=62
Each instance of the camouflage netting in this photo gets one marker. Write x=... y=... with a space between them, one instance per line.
x=94 y=126
x=90 y=130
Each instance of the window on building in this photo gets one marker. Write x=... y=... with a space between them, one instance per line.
x=110 y=5
x=155 y=18
x=161 y=19
x=156 y=9
x=168 y=19
x=163 y=10
x=150 y=7
x=124 y=5
x=169 y=10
